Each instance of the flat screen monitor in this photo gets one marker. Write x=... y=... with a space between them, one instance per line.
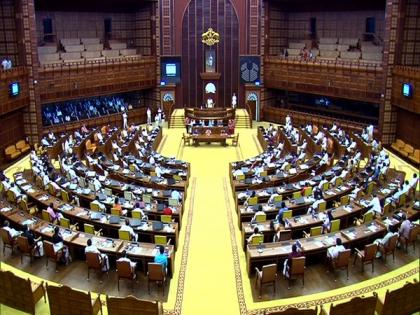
x=407 y=90
x=170 y=71
x=14 y=89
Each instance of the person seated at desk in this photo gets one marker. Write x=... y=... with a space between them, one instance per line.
x=167 y=210
x=318 y=201
x=125 y=258
x=259 y=212
x=60 y=249
x=54 y=216
x=35 y=243
x=162 y=258
x=16 y=191
x=326 y=225
x=322 y=182
x=396 y=196
x=12 y=232
x=375 y=205
x=90 y=248
x=296 y=252
x=392 y=230
x=117 y=206
x=333 y=251
x=128 y=228
x=101 y=206
x=256 y=233
x=282 y=209
x=175 y=194
x=405 y=227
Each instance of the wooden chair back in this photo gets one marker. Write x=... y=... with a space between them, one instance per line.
x=115 y=211
x=6 y=238
x=124 y=235
x=166 y=218
x=261 y=217
x=344 y=200
x=124 y=270
x=297 y=195
x=391 y=245
x=402 y=301
x=11 y=196
x=343 y=259
x=316 y=230
x=89 y=228
x=307 y=192
x=370 y=252
x=335 y=225
x=287 y=214
x=252 y=201
x=370 y=187
x=65 y=196
x=66 y=301
x=278 y=198
x=19 y=293
x=367 y=217
x=269 y=273
x=132 y=305
x=64 y=222
x=93 y=261
x=297 y=266
x=94 y=207
x=160 y=240
x=257 y=239
x=156 y=272
x=24 y=246
x=46 y=216
x=49 y=250
x=322 y=206
x=285 y=235
x=294 y=311
x=357 y=305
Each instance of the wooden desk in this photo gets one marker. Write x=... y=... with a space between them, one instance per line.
x=298 y=224
x=82 y=215
x=216 y=138
x=77 y=241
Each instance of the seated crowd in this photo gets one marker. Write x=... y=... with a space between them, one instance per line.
x=54 y=114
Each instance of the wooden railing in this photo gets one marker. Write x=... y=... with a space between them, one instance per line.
x=136 y=116
x=248 y=109
x=338 y=78
x=96 y=77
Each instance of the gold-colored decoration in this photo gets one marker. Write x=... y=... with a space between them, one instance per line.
x=210 y=37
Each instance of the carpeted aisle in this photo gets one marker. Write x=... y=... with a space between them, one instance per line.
x=210 y=281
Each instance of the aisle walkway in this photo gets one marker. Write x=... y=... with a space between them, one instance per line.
x=210 y=273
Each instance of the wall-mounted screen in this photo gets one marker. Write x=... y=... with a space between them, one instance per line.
x=170 y=70
x=407 y=90
x=14 y=89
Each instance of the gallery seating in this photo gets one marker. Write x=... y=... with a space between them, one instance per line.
x=132 y=305
x=401 y=300
x=357 y=305
x=19 y=293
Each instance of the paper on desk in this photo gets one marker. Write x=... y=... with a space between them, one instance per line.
x=351 y=235
x=47 y=229
x=372 y=228
x=318 y=244
x=43 y=198
x=28 y=222
x=347 y=208
x=5 y=209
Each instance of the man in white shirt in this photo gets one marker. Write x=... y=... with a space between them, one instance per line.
x=333 y=251
x=151 y=160
x=149 y=116
x=12 y=232
x=101 y=206
x=125 y=258
x=414 y=181
x=324 y=159
x=97 y=184
x=128 y=228
x=392 y=230
x=158 y=170
x=90 y=248
x=376 y=205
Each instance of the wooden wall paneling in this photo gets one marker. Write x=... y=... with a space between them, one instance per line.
x=355 y=82
x=8 y=33
x=11 y=130
x=199 y=16
x=410 y=39
x=167 y=35
x=388 y=114
x=254 y=26
x=408 y=127
x=62 y=82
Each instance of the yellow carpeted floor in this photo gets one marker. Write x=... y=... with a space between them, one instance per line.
x=210 y=268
